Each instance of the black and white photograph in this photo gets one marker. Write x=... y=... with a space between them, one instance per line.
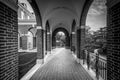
x=59 y=39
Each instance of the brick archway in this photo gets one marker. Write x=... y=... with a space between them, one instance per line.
x=66 y=34
x=37 y=12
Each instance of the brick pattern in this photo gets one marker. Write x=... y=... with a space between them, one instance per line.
x=71 y=42
x=53 y=41
x=34 y=42
x=48 y=42
x=40 y=47
x=82 y=41
x=68 y=41
x=8 y=43
x=113 y=43
x=74 y=40
x=61 y=66
x=78 y=42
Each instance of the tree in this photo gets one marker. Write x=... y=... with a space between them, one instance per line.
x=96 y=40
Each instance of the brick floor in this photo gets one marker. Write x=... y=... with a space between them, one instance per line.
x=62 y=66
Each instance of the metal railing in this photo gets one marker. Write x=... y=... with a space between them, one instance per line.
x=97 y=63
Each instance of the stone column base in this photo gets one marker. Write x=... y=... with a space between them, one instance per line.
x=78 y=60
x=39 y=61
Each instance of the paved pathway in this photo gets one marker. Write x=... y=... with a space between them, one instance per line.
x=62 y=66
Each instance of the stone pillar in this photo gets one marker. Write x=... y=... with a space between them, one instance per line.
x=48 y=41
x=68 y=41
x=20 y=42
x=78 y=43
x=45 y=42
x=34 y=42
x=71 y=42
x=82 y=39
x=40 y=45
x=53 y=41
x=74 y=39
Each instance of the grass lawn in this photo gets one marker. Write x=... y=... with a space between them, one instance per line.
x=26 y=61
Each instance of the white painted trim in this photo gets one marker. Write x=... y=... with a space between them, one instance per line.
x=31 y=72
x=78 y=60
x=83 y=27
x=39 y=61
x=24 y=35
x=73 y=32
x=39 y=27
x=26 y=23
x=48 y=32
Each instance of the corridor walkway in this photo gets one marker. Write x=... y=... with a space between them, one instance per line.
x=62 y=66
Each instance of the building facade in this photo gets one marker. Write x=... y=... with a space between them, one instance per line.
x=26 y=28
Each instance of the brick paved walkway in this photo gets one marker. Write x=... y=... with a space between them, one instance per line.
x=62 y=66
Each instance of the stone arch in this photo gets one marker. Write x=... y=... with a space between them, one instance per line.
x=66 y=34
x=85 y=12
x=37 y=12
x=80 y=32
x=34 y=32
x=29 y=30
x=30 y=40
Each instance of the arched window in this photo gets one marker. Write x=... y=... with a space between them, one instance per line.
x=30 y=41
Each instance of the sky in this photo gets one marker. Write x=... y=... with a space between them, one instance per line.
x=96 y=17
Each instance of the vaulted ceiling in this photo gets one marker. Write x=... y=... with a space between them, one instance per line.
x=60 y=12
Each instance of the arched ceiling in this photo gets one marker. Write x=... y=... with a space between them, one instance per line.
x=61 y=25
x=60 y=11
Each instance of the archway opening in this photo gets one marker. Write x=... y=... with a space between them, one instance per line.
x=95 y=37
x=96 y=28
x=27 y=48
x=60 y=38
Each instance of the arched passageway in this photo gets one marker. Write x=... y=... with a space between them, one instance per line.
x=67 y=37
x=57 y=12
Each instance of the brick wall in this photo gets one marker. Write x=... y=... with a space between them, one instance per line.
x=74 y=40
x=40 y=44
x=8 y=43
x=78 y=42
x=113 y=42
x=82 y=43
x=48 y=42
x=34 y=42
